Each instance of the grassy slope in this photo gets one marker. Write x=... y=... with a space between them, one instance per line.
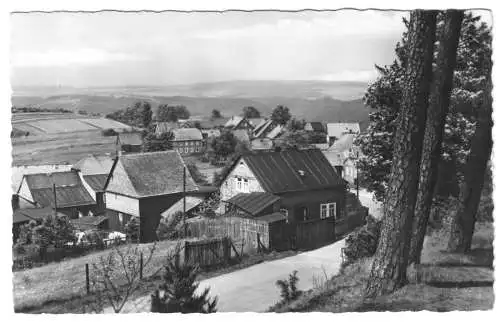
x=444 y=282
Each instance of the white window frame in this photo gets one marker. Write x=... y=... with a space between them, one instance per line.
x=245 y=185
x=239 y=183
x=327 y=210
x=284 y=211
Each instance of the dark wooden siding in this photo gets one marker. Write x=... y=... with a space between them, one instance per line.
x=150 y=212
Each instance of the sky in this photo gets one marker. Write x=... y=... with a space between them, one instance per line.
x=155 y=49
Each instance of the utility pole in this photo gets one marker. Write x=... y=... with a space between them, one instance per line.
x=184 y=200
x=55 y=199
x=357 y=175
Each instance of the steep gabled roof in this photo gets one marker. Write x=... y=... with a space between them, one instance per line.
x=149 y=174
x=88 y=222
x=292 y=170
x=277 y=131
x=262 y=128
x=339 y=129
x=242 y=135
x=70 y=191
x=343 y=144
x=187 y=134
x=94 y=164
x=191 y=202
x=96 y=181
x=234 y=121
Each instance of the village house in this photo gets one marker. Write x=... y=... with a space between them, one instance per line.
x=129 y=142
x=314 y=127
x=71 y=196
x=262 y=144
x=164 y=127
x=301 y=185
x=336 y=130
x=188 y=141
x=93 y=171
x=238 y=123
x=343 y=156
x=144 y=185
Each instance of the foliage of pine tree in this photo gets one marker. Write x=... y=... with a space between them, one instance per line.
x=288 y=287
x=132 y=229
x=216 y=114
x=384 y=96
x=178 y=293
x=154 y=143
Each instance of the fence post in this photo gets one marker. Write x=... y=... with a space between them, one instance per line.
x=87 y=278
x=141 y=266
x=258 y=243
x=186 y=252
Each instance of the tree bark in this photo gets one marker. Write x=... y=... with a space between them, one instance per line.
x=462 y=225
x=439 y=102
x=388 y=270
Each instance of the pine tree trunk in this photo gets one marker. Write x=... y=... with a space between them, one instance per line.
x=439 y=102
x=462 y=225
x=388 y=271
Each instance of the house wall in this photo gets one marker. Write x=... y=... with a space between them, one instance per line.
x=193 y=147
x=122 y=203
x=150 y=213
x=24 y=192
x=229 y=187
x=294 y=202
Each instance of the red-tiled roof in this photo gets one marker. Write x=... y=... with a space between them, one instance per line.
x=292 y=170
x=253 y=202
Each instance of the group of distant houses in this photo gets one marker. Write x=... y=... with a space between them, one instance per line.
x=308 y=188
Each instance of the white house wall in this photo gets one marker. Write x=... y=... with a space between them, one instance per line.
x=122 y=203
x=25 y=192
x=229 y=188
x=87 y=186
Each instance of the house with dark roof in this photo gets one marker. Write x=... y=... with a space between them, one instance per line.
x=238 y=123
x=129 y=142
x=144 y=185
x=343 y=156
x=164 y=127
x=188 y=141
x=300 y=184
x=93 y=171
x=63 y=191
x=314 y=127
x=306 y=185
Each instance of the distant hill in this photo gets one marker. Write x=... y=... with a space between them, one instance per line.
x=310 y=100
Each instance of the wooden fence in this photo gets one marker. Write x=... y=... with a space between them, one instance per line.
x=207 y=253
x=245 y=233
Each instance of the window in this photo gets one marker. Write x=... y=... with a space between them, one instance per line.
x=328 y=210
x=245 y=185
x=197 y=148
x=285 y=212
x=305 y=213
x=238 y=184
x=191 y=149
x=186 y=150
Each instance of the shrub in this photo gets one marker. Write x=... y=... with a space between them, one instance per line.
x=132 y=229
x=171 y=228
x=363 y=241
x=288 y=288
x=179 y=291
x=109 y=132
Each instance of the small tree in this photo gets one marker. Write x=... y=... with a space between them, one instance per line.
x=224 y=145
x=197 y=176
x=288 y=288
x=172 y=113
x=108 y=275
x=171 y=228
x=177 y=293
x=216 y=114
x=132 y=229
x=153 y=143
x=250 y=112
x=281 y=115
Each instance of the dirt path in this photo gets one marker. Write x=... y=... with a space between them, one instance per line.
x=253 y=289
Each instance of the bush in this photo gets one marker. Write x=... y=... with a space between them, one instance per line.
x=179 y=291
x=288 y=288
x=109 y=132
x=171 y=228
x=132 y=229
x=363 y=241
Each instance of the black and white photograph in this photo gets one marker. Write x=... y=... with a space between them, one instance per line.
x=214 y=161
